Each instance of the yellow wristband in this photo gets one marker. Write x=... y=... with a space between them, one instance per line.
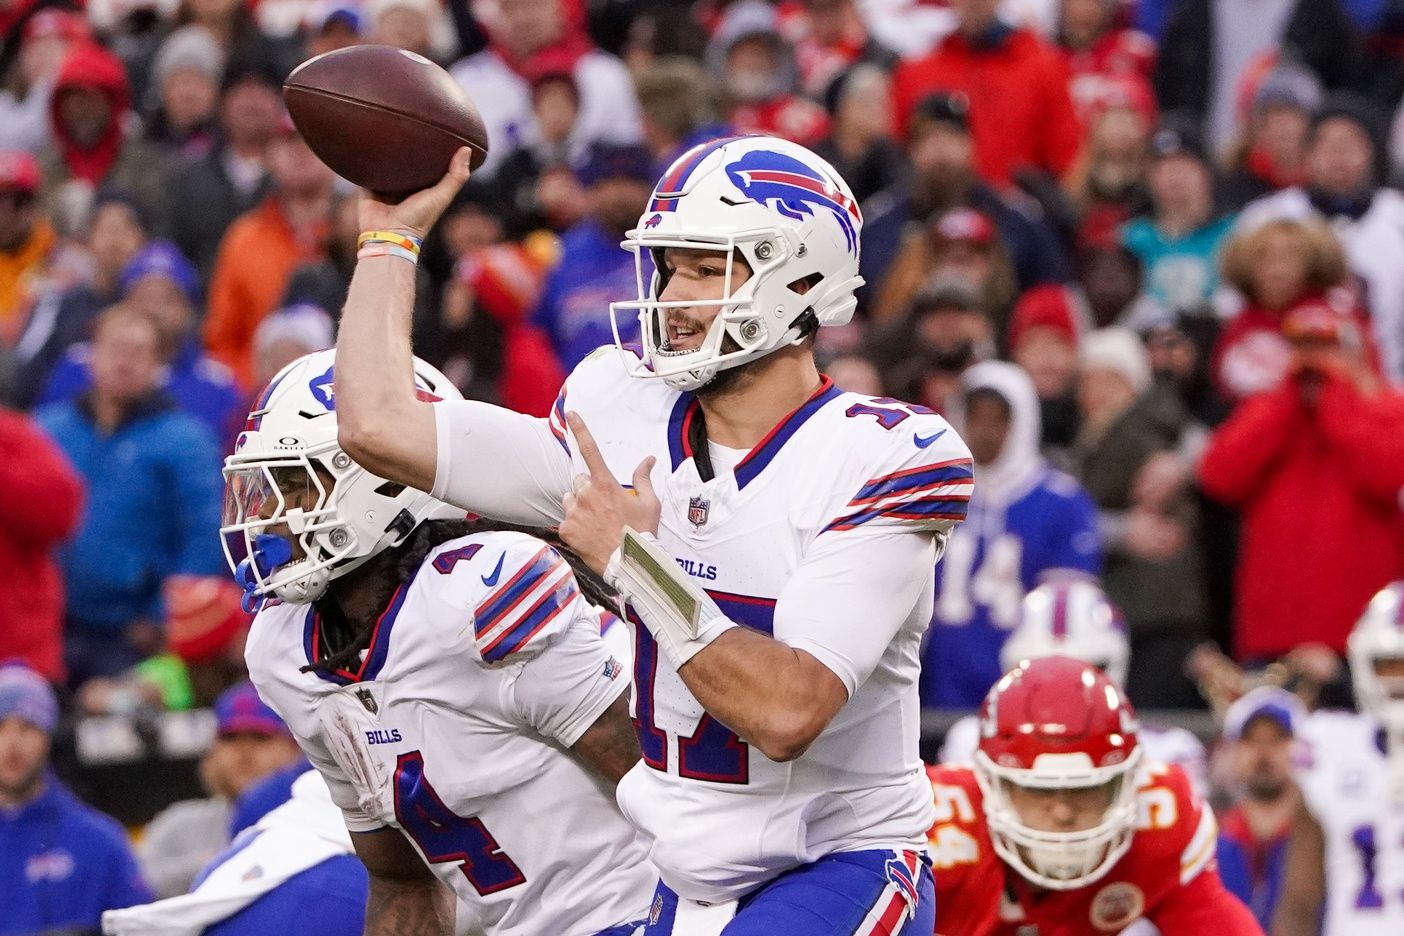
x=389 y=237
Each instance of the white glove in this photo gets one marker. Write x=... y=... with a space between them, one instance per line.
x=681 y=617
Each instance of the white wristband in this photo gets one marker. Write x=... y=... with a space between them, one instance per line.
x=681 y=617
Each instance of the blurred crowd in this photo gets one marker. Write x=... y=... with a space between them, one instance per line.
x=1145 y=254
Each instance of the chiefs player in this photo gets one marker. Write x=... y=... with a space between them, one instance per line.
x=1061 y=829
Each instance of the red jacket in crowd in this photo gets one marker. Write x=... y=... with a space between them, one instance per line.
x=40 y=496
x=1021 y=113
x=1319 y=491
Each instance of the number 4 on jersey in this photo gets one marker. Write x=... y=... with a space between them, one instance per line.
x=443 y=835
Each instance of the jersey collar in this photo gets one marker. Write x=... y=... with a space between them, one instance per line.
x=376 y=653
x=686 y=409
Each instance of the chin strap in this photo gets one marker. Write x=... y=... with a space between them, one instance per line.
x=681 y=617
x=269 y=552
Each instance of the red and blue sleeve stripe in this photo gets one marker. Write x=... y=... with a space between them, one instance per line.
x=506 y=621
x=912 y=480
x=557 y=420
x=924 y=495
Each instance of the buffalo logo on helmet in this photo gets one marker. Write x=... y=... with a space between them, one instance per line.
x=323 y=390
x=653 y=222
x=1116 y=906
x=788 y=186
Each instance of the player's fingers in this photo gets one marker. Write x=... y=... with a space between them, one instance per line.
x=588 y=449
x=643 y=484
x=579 y=483
x=568 y=503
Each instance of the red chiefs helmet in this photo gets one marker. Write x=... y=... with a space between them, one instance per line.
x=1054 y=724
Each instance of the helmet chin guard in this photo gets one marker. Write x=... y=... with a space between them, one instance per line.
x=770 y=203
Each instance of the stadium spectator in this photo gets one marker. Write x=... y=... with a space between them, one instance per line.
x=924 y=351
x=1181 y=348
x=92 y=146
x=859 y=144
x=1043 y=338
x=593 y=271
x=1330 y=432
x=1131 y=454
x=1279 y=266
x=232 y=24
x=537 y=187
x=755 y=67
x=1272 y=154
x=1108 y=182
x=40 y=498
x=678 y=102
x=154 y=488
x=960 y=245
x=185 y=77
x=1111 y=284
x=404 y=24
x=24 y=105
x=332 y=25
x=264 y=246
x=830 y=38
x=521 y=35
x=208 y=195
x=285 y=336
x=1207 y=47
x=1027 y=524
x=1021 y=115
x=162 y=283
x=943 y=177
x=251 y=743
x=1102 y=53
x=27 y=241
x=1260 y=730
x=62 y=863
x=1179 y=241
x=62 y=318
x=1345 y=162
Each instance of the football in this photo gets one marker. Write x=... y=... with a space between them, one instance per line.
x=384 y=118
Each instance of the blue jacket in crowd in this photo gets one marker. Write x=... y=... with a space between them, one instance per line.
x=62 y=863
x=574 y=306
x=153 y=508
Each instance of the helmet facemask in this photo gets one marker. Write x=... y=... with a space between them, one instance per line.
x=1379 y=694
x=1060 y=860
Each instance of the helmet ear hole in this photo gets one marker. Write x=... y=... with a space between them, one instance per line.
x=805 y=283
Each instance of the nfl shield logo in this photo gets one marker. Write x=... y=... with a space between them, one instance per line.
x=697 y=508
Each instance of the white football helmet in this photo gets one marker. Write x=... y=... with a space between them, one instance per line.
x=1377 y=636
x=786 y=212
x=298 y=512
x=1072 y=618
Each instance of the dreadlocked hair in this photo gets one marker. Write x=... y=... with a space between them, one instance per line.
x=410 y=555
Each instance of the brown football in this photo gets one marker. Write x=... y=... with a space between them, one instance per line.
x=384 y=118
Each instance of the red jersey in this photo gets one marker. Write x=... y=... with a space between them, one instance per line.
x=1167 y=877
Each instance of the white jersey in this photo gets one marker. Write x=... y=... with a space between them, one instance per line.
x=824 y=536
x=486 y=666
x=1345 y=779
x=1167 y=744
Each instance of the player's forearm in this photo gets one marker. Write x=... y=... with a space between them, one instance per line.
x=380 y=423
x=772 y=695
x=408 y=908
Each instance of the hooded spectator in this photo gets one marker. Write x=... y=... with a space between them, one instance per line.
x=264 y=246
x=1279 y=266
x=859 y=144
x=24 y=106
x=207 y=195
x=91 y=147
x=755 y=67
x=40 y=497
x=521 y=35
x=27 y=241
x=1027 y=524
x=1272 y=155
x=153 y=481
x=62 y=861
x=1330 y=436
x=943 y=177
x=61 y=319
x=593 y=271
x=1179 y=241
x=1345 y=163
x=1022 y=116
x=162 y=283
x=184 y=96
x=1132 y=454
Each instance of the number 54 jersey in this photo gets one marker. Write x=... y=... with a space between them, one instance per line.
x=484 y=669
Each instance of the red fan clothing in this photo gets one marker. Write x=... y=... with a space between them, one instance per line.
x=789 y=116
x=1167 y=877
x=1118 y=55
x=1021 y=114
x=1318 y=488
x=40 y=497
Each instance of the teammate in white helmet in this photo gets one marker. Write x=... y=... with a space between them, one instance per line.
x=776 y=548
x=1346 y=851
x=446 y=677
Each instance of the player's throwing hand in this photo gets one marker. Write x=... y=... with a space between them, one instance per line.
x=417 y=213
x=599 y=508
